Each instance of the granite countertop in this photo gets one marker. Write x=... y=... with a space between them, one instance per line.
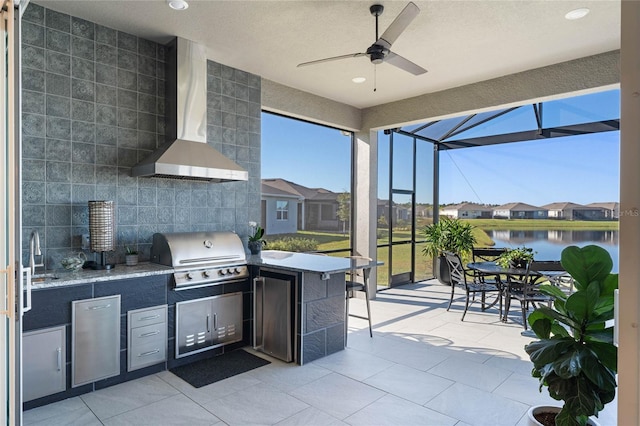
x=62 y=277
x=308 y=262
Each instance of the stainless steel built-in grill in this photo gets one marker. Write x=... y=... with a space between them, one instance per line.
x=201 y=258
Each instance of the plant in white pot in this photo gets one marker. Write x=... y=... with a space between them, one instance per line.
x=131 y=256
x=453 y=235
x=575 y=357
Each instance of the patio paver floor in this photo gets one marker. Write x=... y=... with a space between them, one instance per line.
x=422 y=367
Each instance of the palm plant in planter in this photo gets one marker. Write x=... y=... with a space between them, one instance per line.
x=575 y=356
x=453 y=235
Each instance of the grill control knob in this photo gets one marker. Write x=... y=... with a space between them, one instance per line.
x=236 y=271
x=205 y=274
x=188 y=276
x=222 y=272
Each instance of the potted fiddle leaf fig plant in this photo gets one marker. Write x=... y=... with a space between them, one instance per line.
x=448 y=234
x=256 y=232
x=575 y=357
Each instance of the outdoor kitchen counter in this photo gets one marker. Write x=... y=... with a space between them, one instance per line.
x=62 y=278
x=306 y=262
x=318 y=284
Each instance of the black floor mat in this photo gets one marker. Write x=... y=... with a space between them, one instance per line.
x=207 y=371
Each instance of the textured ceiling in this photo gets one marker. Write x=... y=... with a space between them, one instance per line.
x=458 y=42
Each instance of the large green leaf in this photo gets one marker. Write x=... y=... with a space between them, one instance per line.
x=602 y=377
x=609 y=284
x=553 y=291
x=607 y=354
x=586 y=264
x=547 y=351
x=540 y=324
x=568 y=364
x=580 y=305
x=558 y=316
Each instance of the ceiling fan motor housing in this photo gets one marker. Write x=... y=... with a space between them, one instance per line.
x=377 y=53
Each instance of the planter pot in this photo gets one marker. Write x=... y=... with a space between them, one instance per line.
x=531 y=420
x=442 y=270
x=519 y=264
x=255 y=247
x=131 y=259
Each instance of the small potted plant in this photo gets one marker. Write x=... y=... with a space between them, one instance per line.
x=575 y=357
x=256 y=232
x=516 y=258
x=131 y=256
x=447 y=234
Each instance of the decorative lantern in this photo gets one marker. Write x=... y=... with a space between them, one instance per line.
x=102 y=233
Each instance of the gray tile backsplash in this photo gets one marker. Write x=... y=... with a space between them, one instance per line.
x=93 y=106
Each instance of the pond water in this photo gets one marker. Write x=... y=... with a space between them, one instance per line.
x=548 y=244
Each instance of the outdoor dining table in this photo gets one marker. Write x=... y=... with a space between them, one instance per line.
x=493 y=269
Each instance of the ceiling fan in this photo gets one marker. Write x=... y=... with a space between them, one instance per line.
x=379 y=51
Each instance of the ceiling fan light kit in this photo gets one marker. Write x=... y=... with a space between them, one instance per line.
x=380 y=51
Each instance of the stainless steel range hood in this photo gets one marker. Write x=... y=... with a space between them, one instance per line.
x=186 y=155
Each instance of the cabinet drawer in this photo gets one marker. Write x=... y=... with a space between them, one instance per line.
x=147 y=337
x=147 y=353
x=149 y=333
x=141 y=317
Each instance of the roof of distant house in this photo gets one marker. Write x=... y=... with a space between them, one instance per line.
x=566 y=205
x=280 y=186
x=518 y=207
x=612 y=205
x=467 y=206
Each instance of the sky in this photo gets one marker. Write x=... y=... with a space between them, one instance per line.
x=581 y=169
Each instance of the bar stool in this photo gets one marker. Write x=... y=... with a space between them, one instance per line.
x=357 y=280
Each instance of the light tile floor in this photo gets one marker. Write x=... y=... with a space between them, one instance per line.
x=422 y=367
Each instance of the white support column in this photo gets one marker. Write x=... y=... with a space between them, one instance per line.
x=365 y=200
x=629 y=318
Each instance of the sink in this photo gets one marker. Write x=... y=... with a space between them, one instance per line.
x=38 y=278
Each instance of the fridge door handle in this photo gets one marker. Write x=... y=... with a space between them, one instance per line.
x=258 y=311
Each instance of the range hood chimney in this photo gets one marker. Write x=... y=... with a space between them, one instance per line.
x=186 y=155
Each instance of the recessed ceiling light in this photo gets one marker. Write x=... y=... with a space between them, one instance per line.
x=577 y=13
x=178 y=4
x=358 y=80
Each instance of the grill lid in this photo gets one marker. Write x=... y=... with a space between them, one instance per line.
x=190 y=250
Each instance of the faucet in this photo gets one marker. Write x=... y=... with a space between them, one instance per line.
x=34 y=250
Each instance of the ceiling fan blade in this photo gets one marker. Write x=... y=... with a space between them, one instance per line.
x=334 y=58
x=398 y=25
x=404 y=64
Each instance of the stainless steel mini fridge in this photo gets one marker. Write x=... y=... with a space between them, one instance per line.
x=273 y=315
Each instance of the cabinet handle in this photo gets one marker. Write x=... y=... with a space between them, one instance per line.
x=155 y=351
x=208 y=329
x=149 y=317
x=59 y=353
x=215 y=321
x=93 y=308
x=151 y=333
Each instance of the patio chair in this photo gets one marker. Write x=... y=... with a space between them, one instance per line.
x=459 y=279
x=527 y=290
x=357 y=280
x=487 y=254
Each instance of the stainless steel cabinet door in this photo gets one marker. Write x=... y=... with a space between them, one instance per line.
x=227 y=318
x=95 y=341
x=194 y=322
x=43 y=358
